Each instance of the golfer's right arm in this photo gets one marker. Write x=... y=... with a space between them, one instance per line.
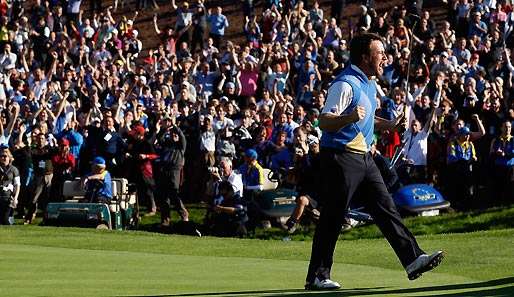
x=339 y=98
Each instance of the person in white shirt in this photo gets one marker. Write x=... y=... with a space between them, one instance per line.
x=221 y=121
x=229 y=174
x=414 y=151
x=7 y=59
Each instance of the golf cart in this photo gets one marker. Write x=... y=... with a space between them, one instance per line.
x=420 y=199
x=121 y=214
x=273 y=201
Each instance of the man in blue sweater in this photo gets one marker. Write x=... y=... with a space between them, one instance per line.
x=348 y=121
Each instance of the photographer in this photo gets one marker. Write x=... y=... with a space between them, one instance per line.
x=304 y=177
x=41 y=182
x=171 y=147
x=229 y=213
x=228 y=174
x=9 y=186
x=7 y=59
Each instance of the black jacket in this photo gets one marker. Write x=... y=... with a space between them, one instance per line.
x=171 y=154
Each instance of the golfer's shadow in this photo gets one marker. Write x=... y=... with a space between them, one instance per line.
x=486 y=288
x=282 y=292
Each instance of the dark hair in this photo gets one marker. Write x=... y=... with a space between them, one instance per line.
x=226 y=187
x=360 y=45
x=301 y=128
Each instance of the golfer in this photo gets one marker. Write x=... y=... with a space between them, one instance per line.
x=348 y=121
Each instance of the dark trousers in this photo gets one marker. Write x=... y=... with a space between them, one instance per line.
x=216 y=39
x=336 y=10
x=5 y=212
x=461 y=190
x=39 y=187
x=168 y=190
x=145 y=189
x=197 y=39
x=96 y=6
x=342 y=174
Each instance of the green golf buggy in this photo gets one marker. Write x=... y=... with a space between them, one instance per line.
x=122 y=213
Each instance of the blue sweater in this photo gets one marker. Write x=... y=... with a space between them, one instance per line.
x=218 y=23
x=356 y=137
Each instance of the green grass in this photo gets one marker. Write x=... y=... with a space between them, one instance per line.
x=479 y=220
x=45 y=261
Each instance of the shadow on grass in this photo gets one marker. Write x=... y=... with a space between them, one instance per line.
x=486 y=288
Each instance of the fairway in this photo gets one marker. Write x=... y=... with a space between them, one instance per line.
x=40 y=261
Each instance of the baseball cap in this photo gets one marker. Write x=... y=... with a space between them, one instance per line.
x=464 y=131
x=251 y=153
x=140 y=130
x=99 y=161
x=64 y=141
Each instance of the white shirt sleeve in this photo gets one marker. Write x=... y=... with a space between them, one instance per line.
x=339 y=97
x=17 y=181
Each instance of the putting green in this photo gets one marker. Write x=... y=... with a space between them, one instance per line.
x=184 y=266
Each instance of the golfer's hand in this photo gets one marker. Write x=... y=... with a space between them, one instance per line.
x=358 y=113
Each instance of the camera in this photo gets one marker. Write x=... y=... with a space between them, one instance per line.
x=213 y=169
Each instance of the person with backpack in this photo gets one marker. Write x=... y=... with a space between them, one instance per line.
x=171 y=146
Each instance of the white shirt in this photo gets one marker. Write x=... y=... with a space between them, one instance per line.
x=415 y=147
x=222 y=124
x=236 y=180
x=339 y=97
x=208 y=141
x=37 y=86
x=8 y=61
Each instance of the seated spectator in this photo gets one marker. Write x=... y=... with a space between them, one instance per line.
x=228 y=214
x=98 y=183
x=63 y=163
x=252 y=174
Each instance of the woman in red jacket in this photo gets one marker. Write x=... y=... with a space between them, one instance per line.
x=63 y=163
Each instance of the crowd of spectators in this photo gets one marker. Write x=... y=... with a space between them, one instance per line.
x=180 y=119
